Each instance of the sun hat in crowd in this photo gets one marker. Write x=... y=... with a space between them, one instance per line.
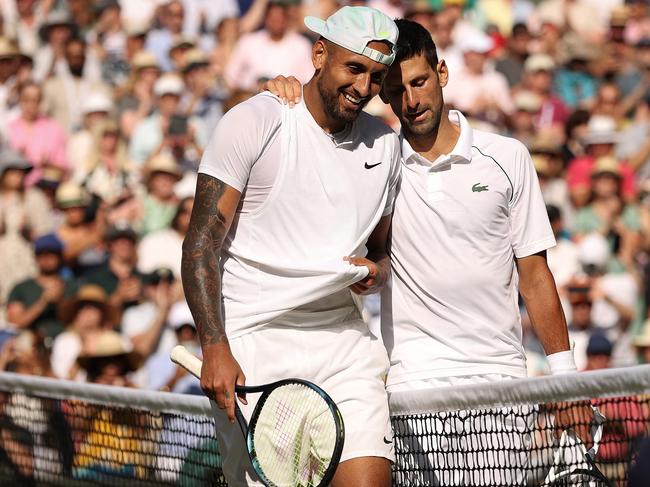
x=527 y=101
x=545 y=143
x=10 y=159
x=539 y=62
x=71 y=195
x=354 y=27
x=96 y=102
x=144 y=59
x=601 y=129
x=643 y=339
x=195 y=58
x=182 y=42
x=168 y=84
x=56 y=18
x=163 y=162
x=48 y=243
x=606 y=165
x=88 y=293
x=8 y=49
x=476 y=42
x=109 y=345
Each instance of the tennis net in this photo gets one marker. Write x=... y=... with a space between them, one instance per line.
x=56 y=432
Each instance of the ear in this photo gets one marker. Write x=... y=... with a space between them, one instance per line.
x=319 y=54
x=443 y=73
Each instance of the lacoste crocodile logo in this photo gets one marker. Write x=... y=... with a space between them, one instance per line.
x=477 y=188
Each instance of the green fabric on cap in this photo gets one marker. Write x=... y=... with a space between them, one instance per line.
x=354 y=27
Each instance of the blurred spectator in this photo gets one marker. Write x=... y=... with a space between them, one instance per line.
x=9 y=59
x=149 y=134
x=641 y=343
x=116 y=64
x=574 y=83
x=66 y=91
x=160 y=41
x=85 y=314
x=512 y=64
x=95 y=108
x=146 y=325
x=160 y=203
x=269 y=52
x=424 y=13
x=446 y=48
x=204 y=100
x=55 y=31
x=178 y=53
x=41 y=139
x=108 y=359
x=523 y=118
x=32 y=303
x=581 y=328
x=26 y=354
x=476 y=90
x=563 y=258
x=547 y=158
x=163 y=248
x=205 y=15
x=118 y=277
x=572 y=15
x=599 y=141
x=80 y=235
x=599 y=352
x=22 y=20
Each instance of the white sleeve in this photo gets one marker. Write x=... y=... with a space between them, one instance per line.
x=529 y=225
x=240 y=138
x=395 y=172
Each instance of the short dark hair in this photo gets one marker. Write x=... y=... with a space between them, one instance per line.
x=414 y=40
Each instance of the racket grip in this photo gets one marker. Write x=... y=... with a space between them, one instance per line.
x=185 y=359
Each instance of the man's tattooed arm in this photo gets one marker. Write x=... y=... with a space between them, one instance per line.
x=200 y=264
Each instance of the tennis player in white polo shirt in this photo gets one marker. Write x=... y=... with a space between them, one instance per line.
x=283 y=196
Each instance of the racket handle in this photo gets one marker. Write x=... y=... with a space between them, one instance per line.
x=185 y=359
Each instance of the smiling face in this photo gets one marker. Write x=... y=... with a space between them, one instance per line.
x=347 y=81
x=413 y=88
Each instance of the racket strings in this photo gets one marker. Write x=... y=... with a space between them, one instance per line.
x=294 y=436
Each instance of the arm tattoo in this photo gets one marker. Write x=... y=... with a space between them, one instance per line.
x=200 y=262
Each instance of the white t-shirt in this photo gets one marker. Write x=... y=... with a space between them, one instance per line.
x=458 y=225
x=308 y=199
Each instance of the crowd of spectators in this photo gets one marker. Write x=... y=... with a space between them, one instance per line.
x=106 y=106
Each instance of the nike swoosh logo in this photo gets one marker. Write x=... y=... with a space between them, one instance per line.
x=388 y=442
x=370 y=166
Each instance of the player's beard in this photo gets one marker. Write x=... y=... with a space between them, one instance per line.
x=427 y=127
x=332 y=105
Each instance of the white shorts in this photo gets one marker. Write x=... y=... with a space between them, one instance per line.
x=479 y=448
x=344 y=359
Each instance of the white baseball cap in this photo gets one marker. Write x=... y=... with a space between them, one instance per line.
x=476 y=42
x=168 y=84
x=354 y=27
x=180 y=315
x=96 y=102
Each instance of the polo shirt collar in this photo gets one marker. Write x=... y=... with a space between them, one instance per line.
x=461 y=153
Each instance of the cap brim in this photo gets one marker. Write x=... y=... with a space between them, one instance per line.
x=315 y=24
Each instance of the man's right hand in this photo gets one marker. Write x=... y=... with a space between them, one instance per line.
x=289 y=90
x=219 y=375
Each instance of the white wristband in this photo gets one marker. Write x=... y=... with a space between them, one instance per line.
x=562 y=362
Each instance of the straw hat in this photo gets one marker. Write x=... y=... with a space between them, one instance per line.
x=71 y=195
x=545 y=143
x=144 y=59
x=539 y=62
x=88 y=293
x=164 y=163
x=194 y=59
x=643 y=340
x=8 y=49
x=109 y=345
x=606 y=165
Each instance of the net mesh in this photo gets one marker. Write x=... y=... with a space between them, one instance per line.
x=61 y=433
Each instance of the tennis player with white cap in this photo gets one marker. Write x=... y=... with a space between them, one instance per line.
x=289 y=224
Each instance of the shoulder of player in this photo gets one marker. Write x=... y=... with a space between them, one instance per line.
x=263 y=107
x=505 y=151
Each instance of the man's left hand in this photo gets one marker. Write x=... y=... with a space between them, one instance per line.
x=375 y=279
x=576 y=416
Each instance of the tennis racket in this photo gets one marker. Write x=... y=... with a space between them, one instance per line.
x=295 y=435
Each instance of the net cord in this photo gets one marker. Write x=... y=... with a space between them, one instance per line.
x=577 y=386
x=516 y=392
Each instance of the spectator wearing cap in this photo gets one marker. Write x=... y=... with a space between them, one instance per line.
x=135 y=99
x=163 y=248
x=563 y=258
x=581 y=326
x=145 y=325
x=599 y=141
x=108 y=36
x=271 y=51
x=149 y=135
x=160 y=41
x=575 y=83
x=117 y=65
x=546 y=151
x=32 y=303
x=521 y=122
x=41 y=139
x=119 y=277
x=480 y=92
x=74 y=81
x=55 y=31
x=80 y=235
x=511 y=65
x=538 y=76
x=204 y=100
x=599 y=352
x=85 y=315
x=163 y=374
x=178 y=52
x=160 y=202
x=95 y=108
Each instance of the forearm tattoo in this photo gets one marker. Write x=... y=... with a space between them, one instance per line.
x=200 y=262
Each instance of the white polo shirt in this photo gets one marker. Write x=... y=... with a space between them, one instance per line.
x=458 y=225
x=308 y=200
